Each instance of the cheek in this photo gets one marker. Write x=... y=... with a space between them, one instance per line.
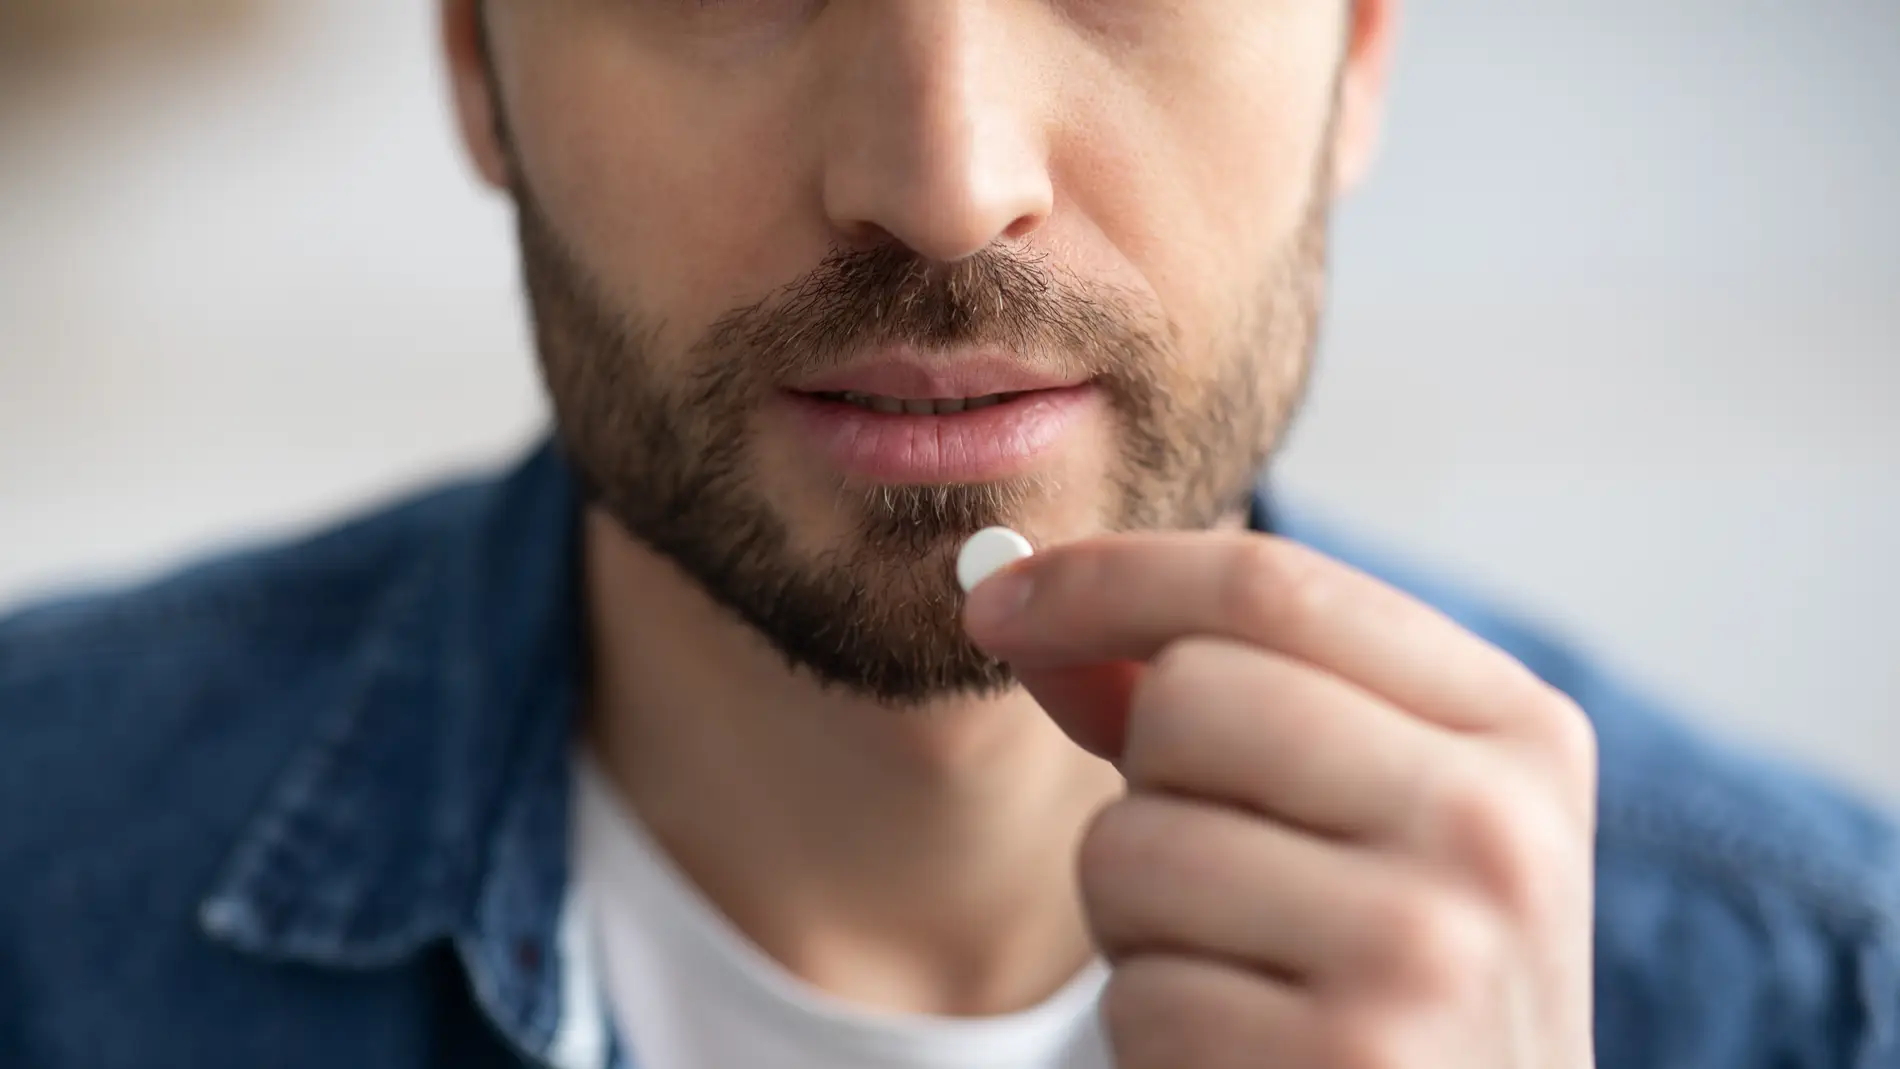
x=674 y=206
x=1200 y=161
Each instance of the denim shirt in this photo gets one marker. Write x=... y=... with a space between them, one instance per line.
x=306 y=806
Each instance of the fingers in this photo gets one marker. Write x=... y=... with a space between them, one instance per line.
x=1354 y=834
x=1127 y=597
x=1177 y=876
x=1173 y=875
x=1257 y=730
x=1164 y=1011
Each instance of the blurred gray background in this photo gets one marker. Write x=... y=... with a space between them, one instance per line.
x=1614 y=335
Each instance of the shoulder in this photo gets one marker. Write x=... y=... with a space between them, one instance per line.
x=201 y=639
x=143 y=725
x=1748 y=910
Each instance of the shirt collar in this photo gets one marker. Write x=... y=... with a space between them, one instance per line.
x=430 y=805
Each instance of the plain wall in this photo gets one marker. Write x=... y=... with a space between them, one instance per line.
x=1614 y=331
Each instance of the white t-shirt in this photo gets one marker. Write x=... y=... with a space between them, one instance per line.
x=687 y=990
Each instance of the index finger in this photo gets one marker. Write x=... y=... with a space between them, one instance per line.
x=1124 y=598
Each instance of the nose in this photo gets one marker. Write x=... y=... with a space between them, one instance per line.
x=934 y=141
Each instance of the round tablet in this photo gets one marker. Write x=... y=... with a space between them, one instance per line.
x=989 y=551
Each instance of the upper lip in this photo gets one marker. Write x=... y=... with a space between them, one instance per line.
x=911 y=377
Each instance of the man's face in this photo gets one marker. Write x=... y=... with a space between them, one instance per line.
x=821 y=287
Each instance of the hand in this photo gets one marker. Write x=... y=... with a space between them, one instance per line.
x=1355 y=835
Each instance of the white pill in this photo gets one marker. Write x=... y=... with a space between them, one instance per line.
x=989 y=551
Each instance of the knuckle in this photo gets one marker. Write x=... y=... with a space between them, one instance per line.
x=1554 y=728
x=1363 y=1041
x=1570 y=737
x=1272 y=587
x=1499 y=843
x=1435 y=944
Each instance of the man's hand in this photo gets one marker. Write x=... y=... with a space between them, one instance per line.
x=1355 y=834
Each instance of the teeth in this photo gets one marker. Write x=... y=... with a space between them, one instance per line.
x=918 y=407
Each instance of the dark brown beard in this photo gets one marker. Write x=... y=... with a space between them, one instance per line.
x=672 y=457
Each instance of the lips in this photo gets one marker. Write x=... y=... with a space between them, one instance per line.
x=916 y=406
x=953 y=442
x=907 y=376
x=910 y=418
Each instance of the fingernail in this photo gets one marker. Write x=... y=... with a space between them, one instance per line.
x=999 y=599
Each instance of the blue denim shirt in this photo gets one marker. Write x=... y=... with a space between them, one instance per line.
x=307 y=807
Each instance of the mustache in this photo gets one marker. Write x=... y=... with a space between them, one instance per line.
x=856 y=300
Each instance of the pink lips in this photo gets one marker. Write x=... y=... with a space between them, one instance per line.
x=849 y=420
x=977 y=376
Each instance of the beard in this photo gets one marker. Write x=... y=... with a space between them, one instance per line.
x=674 y=456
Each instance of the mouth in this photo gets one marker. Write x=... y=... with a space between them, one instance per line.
x=902 y=382
x=918 y=440
x=958 y=418
x=917 y=406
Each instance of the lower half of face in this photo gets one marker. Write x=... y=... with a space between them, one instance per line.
x=814 y=460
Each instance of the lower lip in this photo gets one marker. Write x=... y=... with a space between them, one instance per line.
x=984 y=445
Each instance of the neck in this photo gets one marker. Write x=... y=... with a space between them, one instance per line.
x=917 y=861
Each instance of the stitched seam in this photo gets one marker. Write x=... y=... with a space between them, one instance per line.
x=227 y=912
